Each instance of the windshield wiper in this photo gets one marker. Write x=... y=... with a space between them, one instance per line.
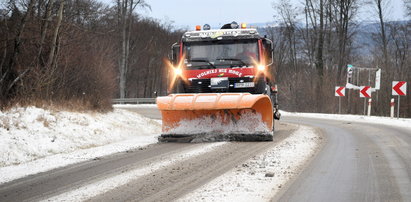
x=202 y=60
x=233 y=59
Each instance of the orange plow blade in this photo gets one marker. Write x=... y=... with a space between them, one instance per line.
x=216 y=116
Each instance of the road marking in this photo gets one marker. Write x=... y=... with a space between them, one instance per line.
x=340 y=91
x=365 y=91
x=399 y=88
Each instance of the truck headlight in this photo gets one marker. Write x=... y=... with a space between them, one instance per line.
x=178 y=71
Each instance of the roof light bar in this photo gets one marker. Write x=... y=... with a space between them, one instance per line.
x=234 y=25
x=243 y=26
x=206 y=27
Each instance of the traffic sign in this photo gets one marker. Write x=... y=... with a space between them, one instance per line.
x=349 y=71
x=377 y=79
x=340 y=91
x=365 y=91
x=399 y=88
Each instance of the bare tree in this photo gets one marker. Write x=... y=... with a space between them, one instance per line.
x=319 y=62
x=380 y=7
x=9 y=75
x=44 y=28
x=408 y=5
x=125 y=18
x=51 y=60
x=288 y=15
x=342 y=16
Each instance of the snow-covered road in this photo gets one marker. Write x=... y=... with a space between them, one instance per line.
x=121 y=162
x=164 y=171
x=34 y=140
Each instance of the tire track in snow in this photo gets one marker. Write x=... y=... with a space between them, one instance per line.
x=263 y=176
x=99 y=187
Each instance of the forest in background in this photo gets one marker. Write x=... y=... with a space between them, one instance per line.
x=81 y=53
x=78 y=53
x=317 y=39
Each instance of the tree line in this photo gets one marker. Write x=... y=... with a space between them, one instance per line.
x=317 y=39
x=80 y=53
x=83 y=53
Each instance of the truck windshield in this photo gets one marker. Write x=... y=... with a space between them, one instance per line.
x=221 y=54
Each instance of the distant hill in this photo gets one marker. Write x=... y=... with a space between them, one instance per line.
x=364 y=37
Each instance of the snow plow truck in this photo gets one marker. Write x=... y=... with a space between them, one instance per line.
x=221 y=87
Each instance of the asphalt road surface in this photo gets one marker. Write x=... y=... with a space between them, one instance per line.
x=358 y=162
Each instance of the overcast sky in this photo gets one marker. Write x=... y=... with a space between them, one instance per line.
x=188 y=13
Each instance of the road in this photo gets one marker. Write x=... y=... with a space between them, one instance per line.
x=161 y=185
x=358 y=162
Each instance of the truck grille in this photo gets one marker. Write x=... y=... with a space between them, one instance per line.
x=202 y=86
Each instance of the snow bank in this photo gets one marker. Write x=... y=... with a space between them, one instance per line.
x=400 y=122
x=31 y=133
x=263 y=176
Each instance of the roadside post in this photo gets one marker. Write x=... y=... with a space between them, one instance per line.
x=339 y=92
x=392 y=108
x=399 y=88
x=365 y=92
x=369 y=107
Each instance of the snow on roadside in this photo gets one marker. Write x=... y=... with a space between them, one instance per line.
x=35 y=140
x=400 y=122
x=261 y=177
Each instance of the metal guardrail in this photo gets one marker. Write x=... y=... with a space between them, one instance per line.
x=134 y=101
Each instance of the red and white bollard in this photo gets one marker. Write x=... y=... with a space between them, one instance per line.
x=369 y=107
x=392 y=108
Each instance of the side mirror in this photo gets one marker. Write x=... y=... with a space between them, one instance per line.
x=268 y=45
x=175 y=53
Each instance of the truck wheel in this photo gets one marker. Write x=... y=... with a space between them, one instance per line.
x=277 y=115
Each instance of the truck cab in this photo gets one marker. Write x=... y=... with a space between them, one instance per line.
x=233 y=58
x=230 y=59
